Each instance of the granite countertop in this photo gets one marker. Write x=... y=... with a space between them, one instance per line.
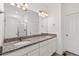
x=11 y=46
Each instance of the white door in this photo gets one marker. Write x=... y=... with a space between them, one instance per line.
x=71 y=41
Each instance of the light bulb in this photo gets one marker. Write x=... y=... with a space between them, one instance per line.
x=46 y=14
x=23 y=8
x=18 y=5
x=26 y=5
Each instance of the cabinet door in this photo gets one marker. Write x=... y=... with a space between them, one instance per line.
x=34 y=50
x=43 y=43
x=47 y=48
x=34 y=53
x=44 y=51
x=52 y=45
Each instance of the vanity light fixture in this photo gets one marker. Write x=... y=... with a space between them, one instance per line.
x=18 y=5
x=43 y=13
x=23 y=6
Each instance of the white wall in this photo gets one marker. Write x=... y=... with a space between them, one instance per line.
x=1 y=24
x=54 y=24
x=43 y=22
x=53 y=11
x=43 y=25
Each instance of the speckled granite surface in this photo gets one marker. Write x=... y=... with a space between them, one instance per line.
x=11 y=45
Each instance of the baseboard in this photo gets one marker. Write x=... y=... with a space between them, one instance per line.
x=1 y=50
x=64 y=53
x=53 y=54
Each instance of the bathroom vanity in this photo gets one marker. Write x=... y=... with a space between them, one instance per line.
x=36 y=45
x=25 y=34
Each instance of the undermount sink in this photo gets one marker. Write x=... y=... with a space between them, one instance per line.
x=23 y=43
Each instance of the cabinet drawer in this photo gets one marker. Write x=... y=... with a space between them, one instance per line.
x=52 y=45
x=34 y=53
x=33 y=47
x=43 y=43
x=44 y=51
x=52 y=39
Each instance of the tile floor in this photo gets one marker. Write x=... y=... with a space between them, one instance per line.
x=67 y=54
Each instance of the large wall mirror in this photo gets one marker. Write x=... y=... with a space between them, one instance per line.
x=19 y=22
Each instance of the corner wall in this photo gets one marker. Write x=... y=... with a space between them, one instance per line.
x=55 y=24
x=1 y=24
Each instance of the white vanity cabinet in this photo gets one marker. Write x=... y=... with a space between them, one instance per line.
x=20 y=52
x=48 y=47
x=35 y=52
x=45 y=48
x=52 y=46
x=24 y=51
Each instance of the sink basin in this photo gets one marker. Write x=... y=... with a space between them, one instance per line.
x=23 y=43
